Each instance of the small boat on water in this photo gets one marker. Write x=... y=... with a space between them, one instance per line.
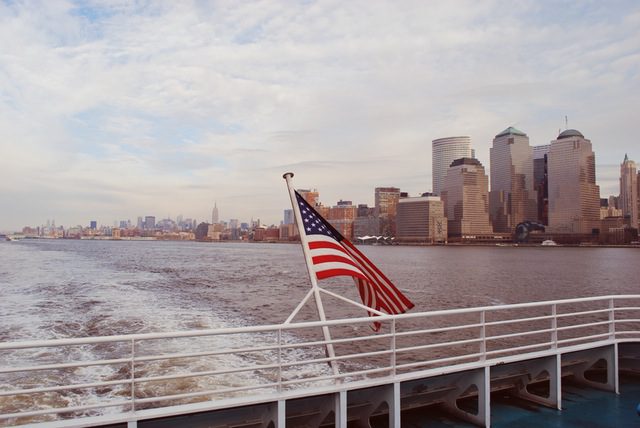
x=548 y=243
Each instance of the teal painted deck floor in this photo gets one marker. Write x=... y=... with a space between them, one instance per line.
x=584 y=408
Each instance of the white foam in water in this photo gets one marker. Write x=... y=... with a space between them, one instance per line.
x=58 y=289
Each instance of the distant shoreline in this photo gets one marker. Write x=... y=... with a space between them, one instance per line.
x=413 y=244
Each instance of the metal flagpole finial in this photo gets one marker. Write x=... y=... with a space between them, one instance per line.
x=287 y=175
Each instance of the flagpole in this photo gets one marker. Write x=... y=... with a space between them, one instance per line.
x=312 y=276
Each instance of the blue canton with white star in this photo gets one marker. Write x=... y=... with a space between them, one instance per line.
x=313 y=222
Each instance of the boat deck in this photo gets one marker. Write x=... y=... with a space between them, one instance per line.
x=581 y=407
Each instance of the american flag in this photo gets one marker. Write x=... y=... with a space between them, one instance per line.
x=333 y=255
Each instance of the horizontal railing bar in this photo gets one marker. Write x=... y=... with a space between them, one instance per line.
x=339 y=376
x=64 y=409
x=65 y=387
x=440 y=360
x=201 y=393
x=65 y=365
x=258 y=349
x=294 y=326
x=575 y=314
x=577 y=326
x=628 y=308
x=438 y=345
x=206 y=373
x=519 y=348
x=628 y=332
x=517 y=320
x=335 y=341
x=519 y=334
x=577 y=339
x=204 y=354
x=438 y=330
x=338 y=358
x=627 y=320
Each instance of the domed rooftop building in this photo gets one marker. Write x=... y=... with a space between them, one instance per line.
x=511 y=131
x=574 y=197
x=570 y=133
x=513 y=198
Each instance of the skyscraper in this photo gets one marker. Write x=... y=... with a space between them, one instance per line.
x=629 y=191
x=513 y=196
x=215 y=218
x=386 y=201
x=574 y=197
x=639 y=197
x=421 y=219
x=288 y=216
x=149 y=222
x=465 y=194
x=445 y=151
x=541 y=181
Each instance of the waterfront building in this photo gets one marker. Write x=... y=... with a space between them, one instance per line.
x=574 y=197
x=234 y=229
x=386 y=201
x=541 y=181
x=149 y=222
x=214 y=232
x=311 y=196
x=610 y=211
x=421 y=220
x=341 y=216
x=288 y=232
x=366 y=226
x=366 y=222
x=93 y=225
x=288 y=216
x=465 y=193
x=512 y=199
x=629 y=191
x=445 y=151
x=215 y=217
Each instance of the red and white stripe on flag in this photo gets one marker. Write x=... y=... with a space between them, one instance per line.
x=332 y=258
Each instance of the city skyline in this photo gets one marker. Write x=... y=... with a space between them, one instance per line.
x=108 y=110
x=313 y=198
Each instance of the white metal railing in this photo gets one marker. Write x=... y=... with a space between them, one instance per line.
x=51 y=379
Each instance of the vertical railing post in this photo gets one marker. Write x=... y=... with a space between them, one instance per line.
x=393 y=347
x=133 y=375
x=483 y=336
x=554 y=326
x=279 y=360
x=612 y=320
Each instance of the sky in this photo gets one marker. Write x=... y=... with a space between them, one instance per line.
x=110 y=110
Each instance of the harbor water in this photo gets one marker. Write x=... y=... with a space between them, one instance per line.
x=67 y=288
x=75 y=288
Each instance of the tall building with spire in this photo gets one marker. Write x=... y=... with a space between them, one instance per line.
x=465 y=193
x=574 y=197
x=512 y=199
x=629 y=191
x=445 y=151
x=215 y=217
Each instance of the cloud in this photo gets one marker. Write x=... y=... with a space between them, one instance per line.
x=164 y=107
